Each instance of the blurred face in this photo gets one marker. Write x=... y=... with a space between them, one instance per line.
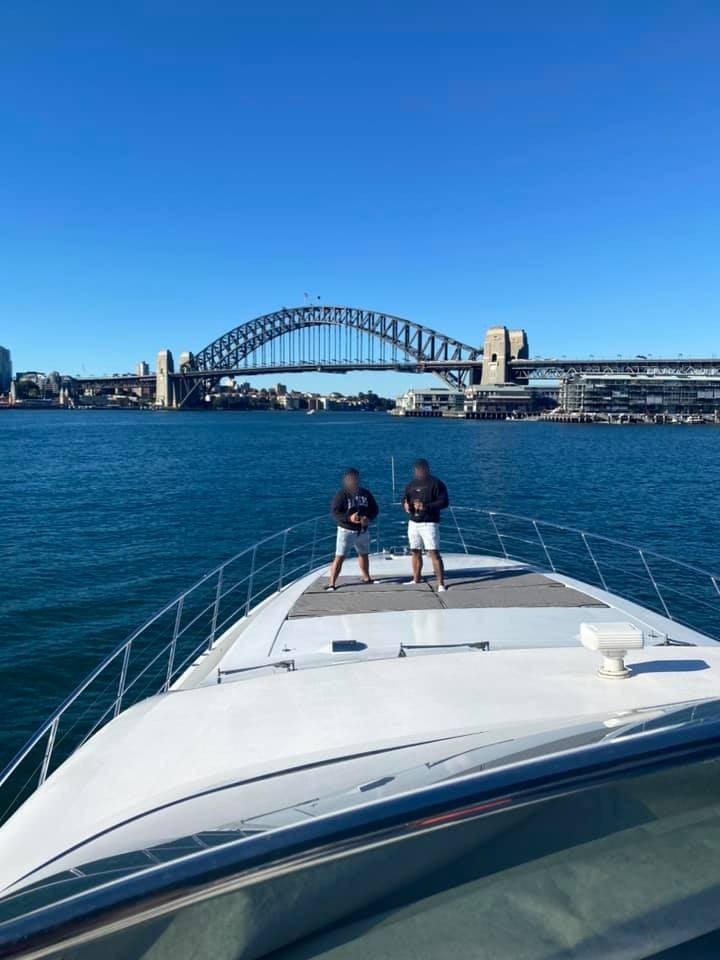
x=421 y=473
x=351 y=482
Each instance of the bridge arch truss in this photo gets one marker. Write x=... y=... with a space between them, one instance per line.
x=338 y=338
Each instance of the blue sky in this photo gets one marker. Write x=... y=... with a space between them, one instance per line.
x=171 y=169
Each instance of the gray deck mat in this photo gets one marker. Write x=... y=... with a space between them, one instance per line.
x=468 y=589
x=463 y=599
x=498 y=580
x=339 y=604
x=347 y=585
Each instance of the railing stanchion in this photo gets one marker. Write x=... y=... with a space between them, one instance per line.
x=655 y=585
x=173 y=644
x=250 y=581
x=48 y=751
x=544 y=546
x=123 y=678
x=596 y=564
x=457 y=527
x=216 y=607
x=282 y=562
x=497 y=534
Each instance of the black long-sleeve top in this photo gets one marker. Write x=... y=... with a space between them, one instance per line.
x=434 y=496
x=344 y=504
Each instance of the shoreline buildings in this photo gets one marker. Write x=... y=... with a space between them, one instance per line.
x=501 y=393
x=641 y=395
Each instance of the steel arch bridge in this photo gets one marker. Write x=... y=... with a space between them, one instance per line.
x=334 y=338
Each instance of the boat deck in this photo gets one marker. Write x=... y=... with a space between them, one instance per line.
x=500 y=604
x=470 y=588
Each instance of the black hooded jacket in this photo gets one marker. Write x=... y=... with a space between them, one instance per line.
x=434 y=496
x=344 y=504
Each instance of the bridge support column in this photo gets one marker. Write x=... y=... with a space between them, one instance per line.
x=164 y=392
x=496 y=351
x=501 y=346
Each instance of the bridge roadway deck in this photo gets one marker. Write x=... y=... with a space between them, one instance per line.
x=536 y=369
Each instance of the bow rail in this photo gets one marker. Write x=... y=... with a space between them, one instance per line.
x=156 y=654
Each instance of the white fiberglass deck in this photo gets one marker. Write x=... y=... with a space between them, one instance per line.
x=210 y=755
x=506 y=604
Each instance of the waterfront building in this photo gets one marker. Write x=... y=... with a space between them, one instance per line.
x=53 y=383
x=335 y=401
x=32 y=377
x=142 y=368
x=642 y=395
x=431 y=401
x=5 y=370
x=508 y=400
x=292 y=400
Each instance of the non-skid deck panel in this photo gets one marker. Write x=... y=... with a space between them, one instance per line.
x=467 y=589
x=338 y=604
x=346 y=585
x=532 y=596
x=497 y=579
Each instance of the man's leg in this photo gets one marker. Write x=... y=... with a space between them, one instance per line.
x=364 y=564
x=431 y=536
x=416 y=560
x=362 y=549
x=341 y=547
x=335 y=568
x=438 y=566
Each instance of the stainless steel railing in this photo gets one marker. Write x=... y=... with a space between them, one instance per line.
x=155 y=655
x=683 y=592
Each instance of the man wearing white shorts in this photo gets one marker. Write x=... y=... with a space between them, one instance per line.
x=353 y=509
x=425 y=496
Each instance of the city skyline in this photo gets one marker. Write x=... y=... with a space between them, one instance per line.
x=171 y=174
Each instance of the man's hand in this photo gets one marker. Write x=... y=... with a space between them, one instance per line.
x=406 y=507
x=418 y=506
x=354 y=517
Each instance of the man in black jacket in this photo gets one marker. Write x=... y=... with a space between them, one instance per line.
x=353 y=508
x=425 y=496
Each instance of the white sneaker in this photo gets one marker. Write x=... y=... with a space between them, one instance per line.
x=412 y=583
x=442 y=589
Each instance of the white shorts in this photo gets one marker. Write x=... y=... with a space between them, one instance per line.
x=347 y=539
x=423 y=536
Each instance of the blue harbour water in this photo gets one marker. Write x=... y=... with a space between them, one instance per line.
x=105 y=515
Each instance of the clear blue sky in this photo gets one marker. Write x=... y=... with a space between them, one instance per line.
x=169 y=169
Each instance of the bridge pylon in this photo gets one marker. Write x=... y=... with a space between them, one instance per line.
x=164 y=385
x=500 y=348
